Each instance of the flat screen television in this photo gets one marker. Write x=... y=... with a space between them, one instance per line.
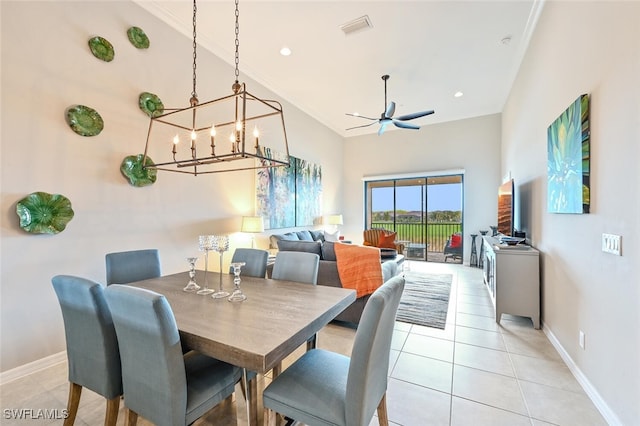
x=505 y=208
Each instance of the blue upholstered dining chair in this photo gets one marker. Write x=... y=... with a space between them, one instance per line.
x=327 y=388
x=92 y=346
x=129 y=266
x=159 y=383
x=296 y=266
x=255 y=261
x=300 y=267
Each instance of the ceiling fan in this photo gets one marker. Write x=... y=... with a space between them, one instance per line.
x=387 y=116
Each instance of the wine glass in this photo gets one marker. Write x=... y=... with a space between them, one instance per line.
x=221 y=245
x=192 y=285
x=206 y=243
x=237 y=295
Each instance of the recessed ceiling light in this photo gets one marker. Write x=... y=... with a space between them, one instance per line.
x=285 y=51
x=458 y=94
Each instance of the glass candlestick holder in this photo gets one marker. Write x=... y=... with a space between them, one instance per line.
x=206 y=244
x=221 y=244
x=192 y=285
x=237 y=295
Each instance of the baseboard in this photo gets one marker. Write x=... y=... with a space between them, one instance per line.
x=32 y=367
x=589 y=389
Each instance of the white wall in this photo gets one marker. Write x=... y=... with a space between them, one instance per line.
x=472 y=145
x=46 y=67
x=586 y=47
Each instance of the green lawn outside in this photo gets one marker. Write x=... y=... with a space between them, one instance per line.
x=437 y=233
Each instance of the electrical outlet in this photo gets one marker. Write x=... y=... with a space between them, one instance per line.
x=581 y=339
x=611 y=244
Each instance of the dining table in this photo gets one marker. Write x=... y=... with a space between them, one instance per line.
x=256 y=334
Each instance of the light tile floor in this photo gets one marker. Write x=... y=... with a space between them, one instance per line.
x=474 y=372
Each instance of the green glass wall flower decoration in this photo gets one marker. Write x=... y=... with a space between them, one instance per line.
x=44 y=213
x=150 y=104
x=132 y=169
x=84 y=120
x=101 y=48
x=138 y=38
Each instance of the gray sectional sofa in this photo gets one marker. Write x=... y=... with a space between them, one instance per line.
x=328 y=269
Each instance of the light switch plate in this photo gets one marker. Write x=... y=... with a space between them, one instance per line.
x=611 y=244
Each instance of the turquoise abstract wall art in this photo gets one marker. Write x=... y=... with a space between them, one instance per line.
x=568 y=164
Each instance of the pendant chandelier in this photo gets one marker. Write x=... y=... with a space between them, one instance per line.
x=211 y=137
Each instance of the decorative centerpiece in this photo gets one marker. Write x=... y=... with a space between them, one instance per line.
x=221 y=244
x=192 y=285
x=206 y=243
x=237 y=295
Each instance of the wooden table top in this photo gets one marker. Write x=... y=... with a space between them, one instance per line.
x=258 y=333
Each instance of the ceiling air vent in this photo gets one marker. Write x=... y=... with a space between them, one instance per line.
x=361 y=23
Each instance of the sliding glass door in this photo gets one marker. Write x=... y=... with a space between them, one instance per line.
x=423 y=211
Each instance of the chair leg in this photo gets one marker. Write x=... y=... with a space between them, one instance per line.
x=269 y=417
x=72 y=403
x=383 y=419
x=130 y=417
x=111 y=416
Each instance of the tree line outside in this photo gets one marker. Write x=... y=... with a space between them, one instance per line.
x=404 y=216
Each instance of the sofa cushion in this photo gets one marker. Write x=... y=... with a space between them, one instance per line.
x=304 y=235
x=317 y=235
x=387 y=240
x=306 y=246
x=328 y=252
x=289 y=236
x=332 y=236
x=456 y=240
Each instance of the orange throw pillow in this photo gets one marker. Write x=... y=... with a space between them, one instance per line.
x=456 y=240
x=387 y=240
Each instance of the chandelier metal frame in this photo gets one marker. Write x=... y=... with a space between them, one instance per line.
x=245 y=109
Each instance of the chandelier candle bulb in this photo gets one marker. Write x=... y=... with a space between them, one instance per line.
x=176 y=140
x=213 y=140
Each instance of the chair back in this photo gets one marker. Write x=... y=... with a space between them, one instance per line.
x=153 y=371
x=130 y=266
x=92 y=346
x=255 y=261
x=296 y=266
x=372 y=236
x=369 y=366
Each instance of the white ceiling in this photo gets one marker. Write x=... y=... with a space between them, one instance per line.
x=431 y=50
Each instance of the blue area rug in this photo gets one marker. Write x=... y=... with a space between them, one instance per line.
x=425 y=299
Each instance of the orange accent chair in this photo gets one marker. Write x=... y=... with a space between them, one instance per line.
x=372 y=238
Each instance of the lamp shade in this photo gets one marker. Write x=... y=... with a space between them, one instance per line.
x=334 y=219
x=253 y=224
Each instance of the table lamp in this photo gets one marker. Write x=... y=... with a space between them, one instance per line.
x=252 y=225
x=335 y=220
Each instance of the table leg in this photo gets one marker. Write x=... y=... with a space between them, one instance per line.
x=252 y=398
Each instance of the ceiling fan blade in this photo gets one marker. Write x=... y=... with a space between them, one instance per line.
x=414 y=115
x=391 y=108
x=383 y=126
x=361 y=116
x=405 y=125
x=364 y=125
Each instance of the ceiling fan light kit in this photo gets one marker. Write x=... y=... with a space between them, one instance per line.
x=387 y=116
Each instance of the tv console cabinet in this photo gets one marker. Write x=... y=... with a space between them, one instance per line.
x=512 y=277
